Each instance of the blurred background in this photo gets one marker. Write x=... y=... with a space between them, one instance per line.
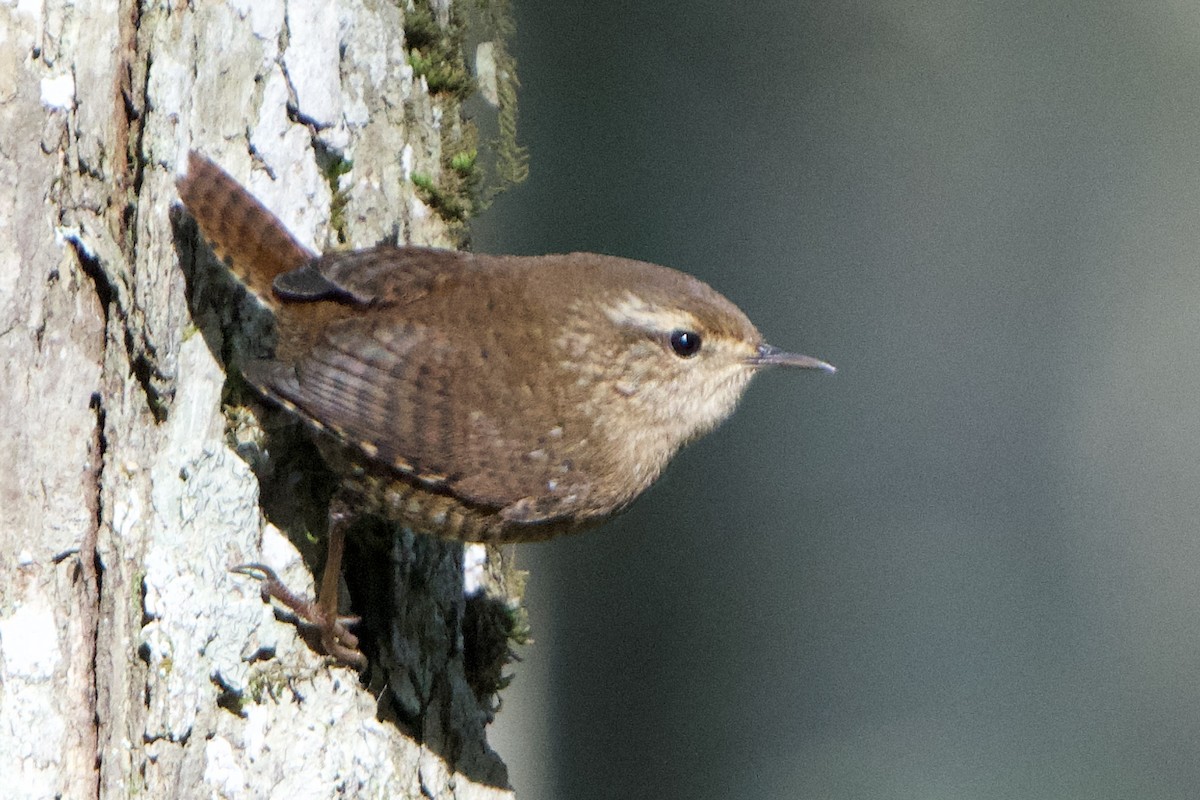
x=967 y=565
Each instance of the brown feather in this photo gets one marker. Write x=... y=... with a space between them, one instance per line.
x=531 y=391
x=239 y=228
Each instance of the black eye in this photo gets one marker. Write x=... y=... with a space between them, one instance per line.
x=685 y=343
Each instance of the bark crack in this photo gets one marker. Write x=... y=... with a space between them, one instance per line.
x=91 y=577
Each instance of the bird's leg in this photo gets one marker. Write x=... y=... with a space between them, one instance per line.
x=336 y=638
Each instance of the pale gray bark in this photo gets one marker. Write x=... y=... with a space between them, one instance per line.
x=132 y=662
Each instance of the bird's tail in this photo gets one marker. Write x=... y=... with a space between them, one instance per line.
x=240 y=229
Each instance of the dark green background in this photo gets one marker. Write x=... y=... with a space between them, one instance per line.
x=967 y=566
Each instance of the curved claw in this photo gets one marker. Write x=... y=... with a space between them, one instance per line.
x=336 y=638
x=256 y=570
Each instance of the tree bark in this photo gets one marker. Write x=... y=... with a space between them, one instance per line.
x=132 y=662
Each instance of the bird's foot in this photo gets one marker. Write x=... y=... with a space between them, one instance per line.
x=336 y=639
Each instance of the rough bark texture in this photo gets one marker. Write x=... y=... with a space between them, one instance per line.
x=132 y=662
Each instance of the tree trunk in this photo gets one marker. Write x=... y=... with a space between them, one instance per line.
x=132 y=662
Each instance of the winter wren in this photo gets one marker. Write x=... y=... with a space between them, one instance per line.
x=478 y=397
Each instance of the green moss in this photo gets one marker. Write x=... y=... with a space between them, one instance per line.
x=333 y=167
x=468 y=179
x=441 y=75
x=436 y=53
x=519 y=631
x=465 y=176
x=420 y=28
x=512 y=160
x=464 y=163
x=422 y=181
x=266 y=683
x=449 y=205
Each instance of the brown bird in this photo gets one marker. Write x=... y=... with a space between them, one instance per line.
x=478 y=397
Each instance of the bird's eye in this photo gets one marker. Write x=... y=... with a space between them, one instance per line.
x=685 y=344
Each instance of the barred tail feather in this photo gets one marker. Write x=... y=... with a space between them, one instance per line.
x=239 y=228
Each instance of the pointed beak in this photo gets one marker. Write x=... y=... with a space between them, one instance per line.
x=769 y=356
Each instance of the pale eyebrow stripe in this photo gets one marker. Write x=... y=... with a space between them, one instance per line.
x=634 y=311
